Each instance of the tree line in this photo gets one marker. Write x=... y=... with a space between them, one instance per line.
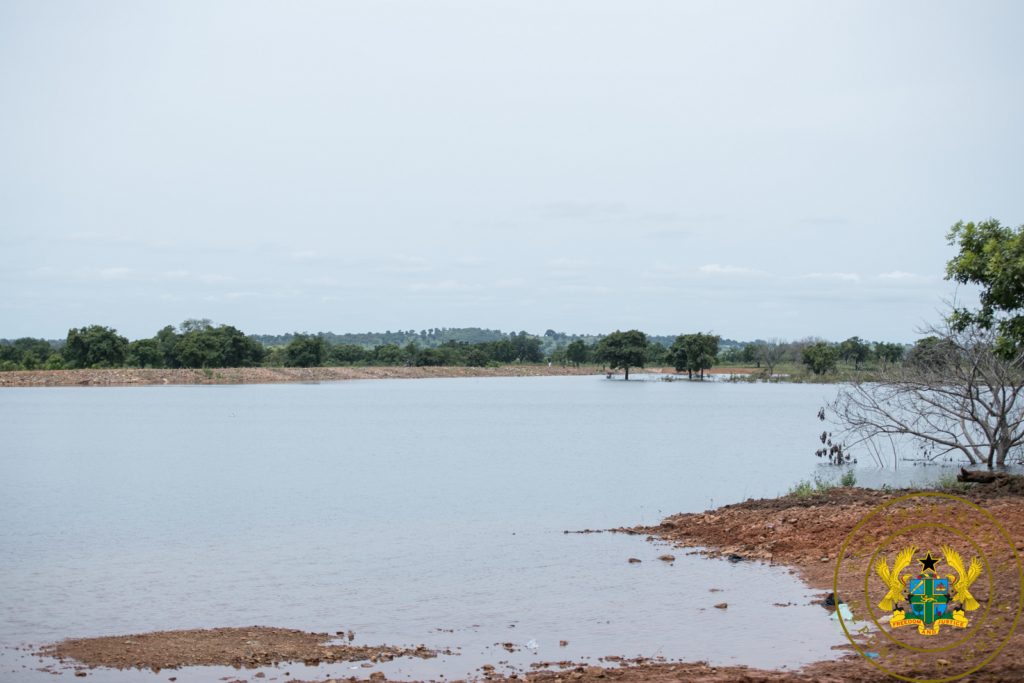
x=198 y=343
x=816 y=354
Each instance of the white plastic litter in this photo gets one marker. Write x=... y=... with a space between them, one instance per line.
x=532 y=644
x=844 y=610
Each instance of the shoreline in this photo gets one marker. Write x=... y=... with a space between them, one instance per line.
x=803 y=534
x=184 y=376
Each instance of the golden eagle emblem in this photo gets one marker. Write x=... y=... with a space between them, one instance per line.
x=892 y=579
x=962 y=583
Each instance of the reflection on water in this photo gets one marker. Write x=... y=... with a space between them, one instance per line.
x=397 y=508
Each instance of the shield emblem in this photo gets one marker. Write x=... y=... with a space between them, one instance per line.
x=929 y=597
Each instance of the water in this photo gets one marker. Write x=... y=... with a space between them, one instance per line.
x=398 y=508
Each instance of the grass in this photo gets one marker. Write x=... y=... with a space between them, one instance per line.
x=949 y=483
x=821 y=485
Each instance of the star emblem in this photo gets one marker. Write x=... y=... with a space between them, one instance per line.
x=928 y=563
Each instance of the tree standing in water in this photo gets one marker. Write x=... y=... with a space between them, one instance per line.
x=624 y=350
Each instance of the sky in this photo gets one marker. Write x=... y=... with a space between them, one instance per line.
x=751 y=169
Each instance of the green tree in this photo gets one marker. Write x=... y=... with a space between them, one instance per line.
x=992 y=257
x=220 y=347
x=891 y=353
x=11 y=354
x=559 y=356
x=388 y=354
x=306 y=351
x=576 y=352
x=624 y=350
x=30 y=361
x=94 y=346
x=751 y=355
x=477 y=359
x=855 y=351
x=195 y=325
x=40 y=348
x=276 y=357
x=144 y=353
x=820 y=357
x=527 y=348
x=694 y=353
x=346 y=354
x=657 y=354
x=409 y=353
x=167 y=339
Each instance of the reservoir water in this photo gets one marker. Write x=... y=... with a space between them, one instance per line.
x=409 y=511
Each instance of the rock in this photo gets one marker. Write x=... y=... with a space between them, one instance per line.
x=830 y=600
x=595 y=671
x=81 y=674
x=577 y=675
x=377 y=676
x=722 y=605
x=563 y=643
x=367 y=665
x=488 y=667
x=633 y=559
x=260 y=675
x=733 y=557
x=668 y=558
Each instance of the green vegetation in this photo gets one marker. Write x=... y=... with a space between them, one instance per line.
x=949 y=483
x=694 y=353
x=624 y=350
x=821 y=485
x=991 y=256
x=198 y=343
x=820 y=358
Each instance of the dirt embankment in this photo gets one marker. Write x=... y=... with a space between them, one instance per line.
x=241 y=647
x=808 y=534
x=130 y=376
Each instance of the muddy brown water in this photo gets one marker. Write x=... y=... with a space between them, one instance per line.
x=426 y=511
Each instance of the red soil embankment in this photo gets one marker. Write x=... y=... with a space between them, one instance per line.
x=127 y=376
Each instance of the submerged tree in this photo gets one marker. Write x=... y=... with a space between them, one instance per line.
x=959 y=392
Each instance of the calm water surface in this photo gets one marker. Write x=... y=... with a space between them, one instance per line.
x=398 y=508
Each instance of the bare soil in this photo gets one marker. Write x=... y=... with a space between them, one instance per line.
x=134 y=376
x=241 y=647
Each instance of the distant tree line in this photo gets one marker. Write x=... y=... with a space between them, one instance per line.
x=818 y=355
x=198 y=343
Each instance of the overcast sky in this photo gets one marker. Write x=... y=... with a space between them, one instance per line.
x=753 y=169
